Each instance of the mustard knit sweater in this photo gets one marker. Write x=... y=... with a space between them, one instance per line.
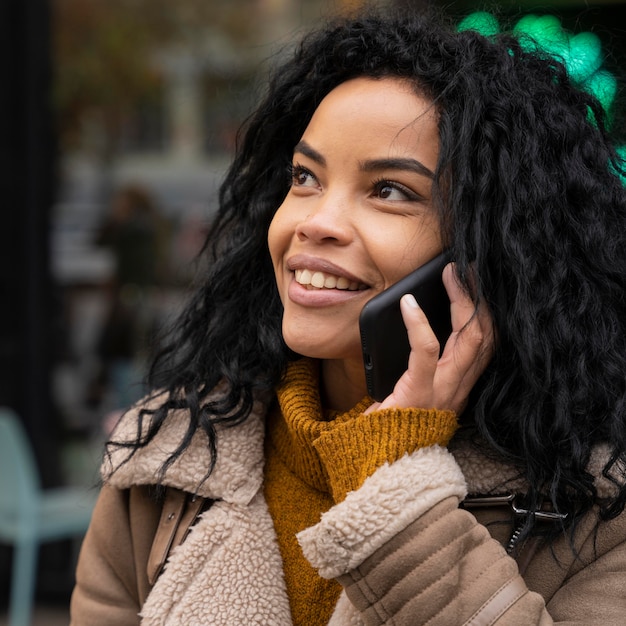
x=315 y=457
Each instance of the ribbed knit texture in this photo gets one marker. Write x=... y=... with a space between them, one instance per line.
x=314 y=458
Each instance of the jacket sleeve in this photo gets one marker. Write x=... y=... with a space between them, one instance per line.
x=407 y=554
x=109 y=590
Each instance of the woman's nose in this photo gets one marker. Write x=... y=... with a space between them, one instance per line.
x=329 y=221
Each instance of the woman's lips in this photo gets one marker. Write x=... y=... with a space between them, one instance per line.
x=309 y=296
x=318 y=282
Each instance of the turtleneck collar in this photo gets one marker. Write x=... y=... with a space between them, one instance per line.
x=298 y=420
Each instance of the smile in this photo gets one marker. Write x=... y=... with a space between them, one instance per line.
x=322 y=280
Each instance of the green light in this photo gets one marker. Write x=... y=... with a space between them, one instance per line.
x=485 y=23
x=580 y=54
x=544 y=27
x=603 y=86
x=543 y=33
x=584 y=56
x=525 y=23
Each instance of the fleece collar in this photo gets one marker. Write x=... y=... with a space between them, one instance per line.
x=238 y=473
x=486 y=475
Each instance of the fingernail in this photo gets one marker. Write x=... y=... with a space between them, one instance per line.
x=409 y=298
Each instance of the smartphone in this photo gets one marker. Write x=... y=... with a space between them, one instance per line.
x=384 y=338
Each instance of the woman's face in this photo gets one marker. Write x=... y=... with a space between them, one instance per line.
x=358 y=215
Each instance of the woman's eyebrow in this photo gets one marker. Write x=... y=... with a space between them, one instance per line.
x=412 y=165
x=304 y=148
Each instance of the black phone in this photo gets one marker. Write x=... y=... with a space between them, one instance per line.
x=384 y=338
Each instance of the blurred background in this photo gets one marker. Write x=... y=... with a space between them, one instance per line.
x=118 y=121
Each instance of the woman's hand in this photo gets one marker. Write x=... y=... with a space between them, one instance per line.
x=443 y=383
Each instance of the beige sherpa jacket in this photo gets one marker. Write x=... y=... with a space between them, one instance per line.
x=402 y=547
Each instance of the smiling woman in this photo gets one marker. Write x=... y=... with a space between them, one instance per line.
x=357 y=218
x=260 y=484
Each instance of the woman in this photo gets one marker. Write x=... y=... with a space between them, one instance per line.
x=259 y=484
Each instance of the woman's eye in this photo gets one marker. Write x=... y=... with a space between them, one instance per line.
x=394 y=191
x=301 y=177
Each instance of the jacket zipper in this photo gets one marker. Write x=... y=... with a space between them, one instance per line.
x=520 y=514
x=517 y=531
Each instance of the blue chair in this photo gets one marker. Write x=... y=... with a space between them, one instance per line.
x=29 y=515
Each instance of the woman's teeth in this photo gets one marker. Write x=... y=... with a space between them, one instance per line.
x=321 y=280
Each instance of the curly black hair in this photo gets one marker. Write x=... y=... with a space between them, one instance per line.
x=530 y=205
